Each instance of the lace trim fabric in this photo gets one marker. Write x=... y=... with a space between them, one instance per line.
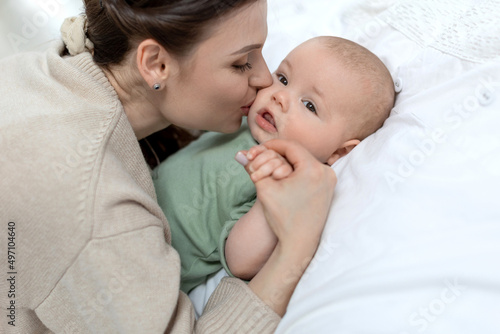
x=467 y=29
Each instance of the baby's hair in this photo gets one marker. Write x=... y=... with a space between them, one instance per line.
x=377 y=99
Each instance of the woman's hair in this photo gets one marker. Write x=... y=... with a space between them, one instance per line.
x=115 y=26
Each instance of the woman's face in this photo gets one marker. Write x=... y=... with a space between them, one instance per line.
x=214 y=88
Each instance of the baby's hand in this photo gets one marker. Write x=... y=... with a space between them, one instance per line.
x=262 y=162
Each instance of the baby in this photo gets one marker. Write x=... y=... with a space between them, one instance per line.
x=328 y=94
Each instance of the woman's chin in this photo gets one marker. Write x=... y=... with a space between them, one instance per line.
x=230 y=127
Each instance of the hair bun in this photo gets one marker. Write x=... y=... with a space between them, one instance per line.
x=74 y=35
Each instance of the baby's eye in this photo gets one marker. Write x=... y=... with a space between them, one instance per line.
x=282 y=79
x=309 y=105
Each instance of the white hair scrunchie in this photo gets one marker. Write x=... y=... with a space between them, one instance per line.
x=74 y=35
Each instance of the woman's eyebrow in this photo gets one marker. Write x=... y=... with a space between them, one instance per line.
x=247 y=48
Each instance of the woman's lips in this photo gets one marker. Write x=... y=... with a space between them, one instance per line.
x=265 y=120
x=246 y=109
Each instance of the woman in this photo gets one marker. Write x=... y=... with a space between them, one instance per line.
x=94 y=247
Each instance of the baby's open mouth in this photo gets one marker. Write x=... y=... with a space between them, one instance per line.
x=268 y=117
x=265 y=120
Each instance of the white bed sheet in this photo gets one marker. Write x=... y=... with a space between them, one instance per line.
x=412 y=241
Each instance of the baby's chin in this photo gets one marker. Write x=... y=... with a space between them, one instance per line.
x=258 y=137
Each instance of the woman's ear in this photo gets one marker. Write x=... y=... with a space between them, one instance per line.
x=343 y=150
x=154 y=63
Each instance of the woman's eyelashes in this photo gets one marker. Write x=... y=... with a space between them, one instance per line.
x=243 y=68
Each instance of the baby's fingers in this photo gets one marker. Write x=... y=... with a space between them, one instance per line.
x=254 y=151
x=261 y=162
x=268 y=168
x=244 y=157
x=262 y=158
x=282 y=171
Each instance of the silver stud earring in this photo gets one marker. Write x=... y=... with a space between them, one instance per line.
x=156 y=86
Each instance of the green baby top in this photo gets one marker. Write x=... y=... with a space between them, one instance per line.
x=203 y=191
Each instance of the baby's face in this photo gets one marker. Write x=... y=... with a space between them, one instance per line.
x=307 y=102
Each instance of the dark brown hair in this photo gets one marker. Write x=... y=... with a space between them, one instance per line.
x=116 y=26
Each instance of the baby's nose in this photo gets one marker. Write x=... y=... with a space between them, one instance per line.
x=281 y=98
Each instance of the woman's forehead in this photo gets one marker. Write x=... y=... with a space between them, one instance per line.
x=240 y=31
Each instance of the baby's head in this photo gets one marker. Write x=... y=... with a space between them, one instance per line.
x=327 y=94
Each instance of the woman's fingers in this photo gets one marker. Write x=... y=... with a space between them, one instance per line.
x=295 y=190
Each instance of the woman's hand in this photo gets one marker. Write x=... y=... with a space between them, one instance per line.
x=296 y=208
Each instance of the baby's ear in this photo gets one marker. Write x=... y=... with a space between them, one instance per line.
x=343 y=150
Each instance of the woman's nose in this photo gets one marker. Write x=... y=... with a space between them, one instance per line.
x=261 y=77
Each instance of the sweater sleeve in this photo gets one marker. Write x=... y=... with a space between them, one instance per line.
x=234 y=308
x=127 y=283
x=130 y=284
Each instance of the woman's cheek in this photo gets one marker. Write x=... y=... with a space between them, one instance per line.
x=238 y=83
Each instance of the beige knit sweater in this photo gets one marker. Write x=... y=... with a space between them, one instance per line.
x=90 y=247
